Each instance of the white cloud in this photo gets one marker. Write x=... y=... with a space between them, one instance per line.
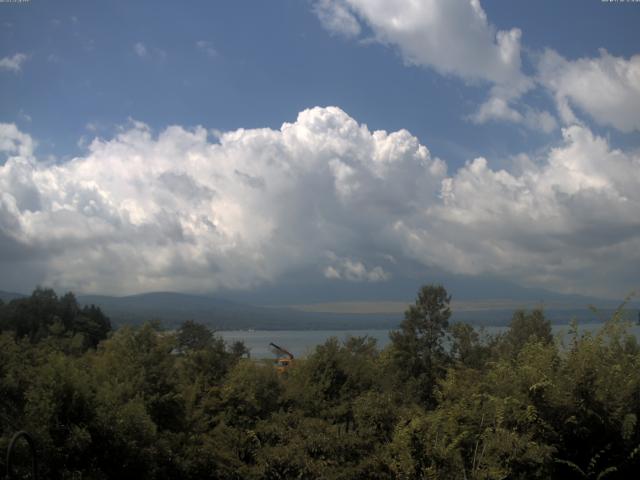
x=15 y=142
x=176 y=211
x=539 y=120
x=605 y=87
x=456 y=38
x=568 y=222
x=331 y=273
x=498 y=109
x=150 y=53
x=207 y=48
x=334 y=15
x=179 y=210
x=13 y=63
x=353 y=270
x=140 y=49
x=452 y=37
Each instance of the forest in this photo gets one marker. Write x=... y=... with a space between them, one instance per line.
x=442 y=400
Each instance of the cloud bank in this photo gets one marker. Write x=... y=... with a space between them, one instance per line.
x=182 y=210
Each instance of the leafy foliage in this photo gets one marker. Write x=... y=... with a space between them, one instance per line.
x=45 y=316
x=418 y=348
x=145 y=403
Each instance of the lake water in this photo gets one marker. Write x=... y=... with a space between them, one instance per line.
x=298 y=342
x=303 y=342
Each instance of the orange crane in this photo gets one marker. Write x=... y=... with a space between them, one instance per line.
x=285 y=358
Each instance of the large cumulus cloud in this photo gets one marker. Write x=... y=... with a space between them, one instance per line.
x=568 y=221
x=183 y=210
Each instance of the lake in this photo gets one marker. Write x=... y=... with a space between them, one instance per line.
x=303 y=342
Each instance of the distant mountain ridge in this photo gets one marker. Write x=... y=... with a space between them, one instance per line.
x=172 y=308
x=8 y=296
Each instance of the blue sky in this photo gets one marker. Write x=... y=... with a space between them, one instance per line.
x=488 y=79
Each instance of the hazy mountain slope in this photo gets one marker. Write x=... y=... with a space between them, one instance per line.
x=8 y=296
x=174 y=308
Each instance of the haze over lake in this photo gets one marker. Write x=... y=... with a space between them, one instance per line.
x=303 y=342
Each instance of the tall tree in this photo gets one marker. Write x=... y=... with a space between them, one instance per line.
x=418 y=345
x=194 y=336
x=526 y=327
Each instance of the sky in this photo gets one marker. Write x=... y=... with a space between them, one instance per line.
x=320 y=149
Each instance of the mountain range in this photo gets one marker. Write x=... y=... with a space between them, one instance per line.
x=171 y=309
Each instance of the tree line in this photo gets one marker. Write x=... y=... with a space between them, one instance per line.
x=440 y=401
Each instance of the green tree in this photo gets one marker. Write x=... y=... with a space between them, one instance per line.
x=93 y=324
x=251 y=392
x=43 y=314
x=527 y=327
x=467 y=347
x=194 y=336
x=418 y=348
